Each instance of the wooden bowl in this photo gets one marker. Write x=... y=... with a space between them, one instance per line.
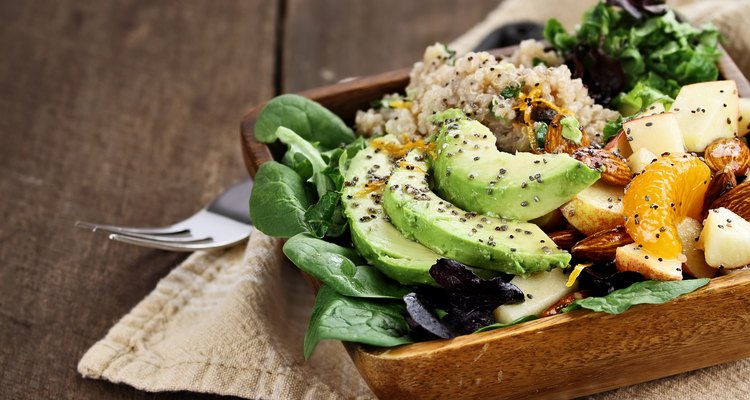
x=562 y=356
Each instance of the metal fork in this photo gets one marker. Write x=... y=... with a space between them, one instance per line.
x=222 y=223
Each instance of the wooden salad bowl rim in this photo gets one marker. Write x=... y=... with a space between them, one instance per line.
x=565 y=355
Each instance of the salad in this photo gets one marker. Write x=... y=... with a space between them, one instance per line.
x=496 y=191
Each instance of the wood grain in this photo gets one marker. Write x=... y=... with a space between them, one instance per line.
x=121 y=112
x=126 y=112
x=574 y=354
x=361 y=38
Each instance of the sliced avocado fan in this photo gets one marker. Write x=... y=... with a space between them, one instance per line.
x=379 y=242
x=519 y=248
x=470 y=172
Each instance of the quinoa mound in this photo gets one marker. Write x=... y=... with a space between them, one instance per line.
x=485 y=89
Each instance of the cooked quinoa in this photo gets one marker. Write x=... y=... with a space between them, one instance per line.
x=485 y=89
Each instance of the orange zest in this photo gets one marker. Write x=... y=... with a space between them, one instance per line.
x=399 y=104
x=373 y=186
x=399 y=150
x=405 y=165
x=669 y=189
x=526 y=101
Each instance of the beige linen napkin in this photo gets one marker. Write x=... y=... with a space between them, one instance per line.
x=228 y=322
x=232 y=321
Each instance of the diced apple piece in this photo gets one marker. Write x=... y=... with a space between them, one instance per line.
x=705 y=112
x=743 y=120
x=542 y=290
x=640 y=159
x=658 y=133
x=596 y=208
x=632 y=257
x=725 y=239
x=653 y=109
x=619 y=144
x=689 y=231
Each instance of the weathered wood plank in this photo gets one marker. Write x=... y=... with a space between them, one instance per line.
x=326 y=41
x=119 y=111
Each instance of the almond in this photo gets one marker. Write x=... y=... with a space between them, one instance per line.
x=728 y=153
x=736 y=200
x=722 y=181
x=565 y=239
x=564 y=302
x=601 y=246
x=554 y=141
x=615 y=169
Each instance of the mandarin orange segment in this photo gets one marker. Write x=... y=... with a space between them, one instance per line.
x=669 y=189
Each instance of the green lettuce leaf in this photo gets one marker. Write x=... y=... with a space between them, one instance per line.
x=640 y=97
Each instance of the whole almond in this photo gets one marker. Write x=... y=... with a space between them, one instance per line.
x=728 y=153
x=554 y=142
x=736 y=199
x=615 y=169
x=565 y=239
x=564 y=302
x=722 y=181
x=601 y=246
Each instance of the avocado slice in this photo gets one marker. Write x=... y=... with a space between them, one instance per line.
x=379 y=242
x=513 y=247
x=470 y=172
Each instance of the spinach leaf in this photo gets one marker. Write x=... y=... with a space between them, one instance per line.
x=278 y=201
x=338 y=159
x=307 y=118
x=340 y=268
x=377 y=323
x=326 y=217
x=646 y=292
x=298 y=146
x=498 y=325
x=299 y=163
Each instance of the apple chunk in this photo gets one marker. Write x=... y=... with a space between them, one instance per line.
x=594 y=209
x=640 y=159
x=542 y=290
x=743 y=120
x=658 y=133
x=619 y=144
x=725 y=239
x=695 y=265
x=632 y=257
x=653 y=109
x=705 y=112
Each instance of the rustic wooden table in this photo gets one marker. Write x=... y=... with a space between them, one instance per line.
x=128 y=112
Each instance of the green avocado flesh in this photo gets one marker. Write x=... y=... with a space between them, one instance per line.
x=379 y=242
x=471 y=173
x=482 y=241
